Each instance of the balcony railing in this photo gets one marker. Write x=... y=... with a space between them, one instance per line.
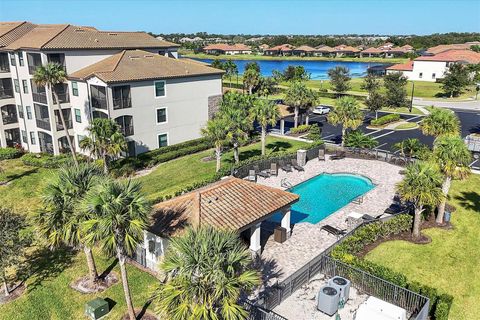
x=6 y=93
x=43 y=124
x=9 y=118
x=127 y=131
x=4 y=67
x=40 y=97
x=32 y=69
x=68 y=123
x=122 y=103
x=63 y=97
x=99 y=102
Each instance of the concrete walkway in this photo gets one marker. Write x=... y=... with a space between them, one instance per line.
x=466 y=104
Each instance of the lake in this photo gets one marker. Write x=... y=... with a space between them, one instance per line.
x=317 y=69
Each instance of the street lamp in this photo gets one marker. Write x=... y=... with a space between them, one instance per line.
x=411 y=99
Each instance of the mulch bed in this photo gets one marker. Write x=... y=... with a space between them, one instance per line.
x=207 y=159
x=407 y=236
x=14 y=294
x=83 y=284
x=146 y=316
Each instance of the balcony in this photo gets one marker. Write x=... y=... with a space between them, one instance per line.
x=68 y=122
x=99 y=102
x=6 y=93
x=43 y=124
x=9 y=118
x=122 y=103
x=39 y=97
x=32 y=69
x=4 y=67
x=127 y=130
x=63 y=97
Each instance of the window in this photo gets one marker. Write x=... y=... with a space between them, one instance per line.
x=20 y=111
x=121 y=97
x=162 y=140
x=25 y=86
x=17 y=85
x=80 y=138
x=126 y=125
x=24 y=136
x=12 y=59
x=20 y=59
x=29 y=112
x=32 y=137
x=75 y=88
x=433 y=76
x=159 y=88
x=78 y=116
x=161 y=115
x=420 y=75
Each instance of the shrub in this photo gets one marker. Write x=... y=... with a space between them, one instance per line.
x=442 y=308
x=315 y=133
x=47 y=160
x=300 y=129
x=10 y=153
x=385 y=119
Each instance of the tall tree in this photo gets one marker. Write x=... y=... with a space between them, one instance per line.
x=339 y=79
x=267 y=86
x=208 y=271
x=105 y=141
x=13 y=243
x=234 y=111
x=410 y=147
x=347 y=113
x=230 y=69
x=252 y=65
x=453 y=158
x=440 y=122
x=265 y=112
x=300 y=97
x=395 y=90
x=295 y=73
x=357 y=139
x=49 y=76
x=60 y=219
x=370 y=83
x=218 y=64
x=456 y=79
x=251 y=79
x=216 y=131
x=421 y=186
x=119 y=213
x=375 y=100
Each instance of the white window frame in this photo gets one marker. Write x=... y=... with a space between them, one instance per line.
x=161 y=134
x=155 y=89
x=166 y=115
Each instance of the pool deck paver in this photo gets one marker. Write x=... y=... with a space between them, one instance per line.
x=308 y=240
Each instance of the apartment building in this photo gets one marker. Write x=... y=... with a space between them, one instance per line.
x=30 y=116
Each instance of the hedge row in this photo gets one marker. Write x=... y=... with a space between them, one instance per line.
x=10 y=153
x=47 y=160
x=301 y=129
x=385 y=119
x=440 y=303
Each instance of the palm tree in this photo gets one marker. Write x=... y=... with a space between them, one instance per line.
x=251 y=78
x=421 y=186
x=216 y=131
x=118 y=214
x=358 y=139
x=265 y=112
x=453 y=158
x=440 y=122
x=230 y=69
x=346 y=112
x=60 y=219
x=208 y=271
x=49 y=76
x=409 y=147
x=105 y=140
x=299 y=97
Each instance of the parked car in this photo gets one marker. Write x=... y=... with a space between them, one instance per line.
x=321 y=109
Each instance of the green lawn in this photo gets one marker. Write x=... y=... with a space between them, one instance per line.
x=451 y=261
x=49 y=296
x=177 y=174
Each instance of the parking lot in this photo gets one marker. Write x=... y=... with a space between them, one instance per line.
x=470 y=123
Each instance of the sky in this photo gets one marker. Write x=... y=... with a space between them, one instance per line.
x=254 y=17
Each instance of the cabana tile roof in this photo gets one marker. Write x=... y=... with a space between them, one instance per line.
x=230 y=203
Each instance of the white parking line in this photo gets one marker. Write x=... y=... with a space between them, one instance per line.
x=367 y=134
x=383 y=135
x=330 y=135
x=380 y=145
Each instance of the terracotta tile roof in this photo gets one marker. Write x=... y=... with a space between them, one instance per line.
x=457 y=46
x=282 y=47
x=454 y=55
x=372 y=50
x=69 y=37
x=344 y=48
x=408 y=66
x=230 y=203
x=136 y=65
x=304 y=48
x=11 y=31
x=324 y=48
x=228 y=47
x=264 y=46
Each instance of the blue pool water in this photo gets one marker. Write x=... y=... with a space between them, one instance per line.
x=325 y=194
x=317 y=69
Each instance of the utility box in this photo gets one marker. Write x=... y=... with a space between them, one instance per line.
x=96 y=308
x=280 y=234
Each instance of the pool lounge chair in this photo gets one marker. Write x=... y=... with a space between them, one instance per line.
x=296 y=166
x=396 y=208
x=321 y=154
x=338 y=155
x=273 y=169
x=332 y=230
x=285 y=167
x=252 y=176
x=262 y=174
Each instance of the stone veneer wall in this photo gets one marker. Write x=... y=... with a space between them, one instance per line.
x=213 y=105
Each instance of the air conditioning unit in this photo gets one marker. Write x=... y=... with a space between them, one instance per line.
x=327 y=300
x=342 y=285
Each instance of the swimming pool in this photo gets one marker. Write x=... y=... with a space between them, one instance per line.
x=324 y=194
